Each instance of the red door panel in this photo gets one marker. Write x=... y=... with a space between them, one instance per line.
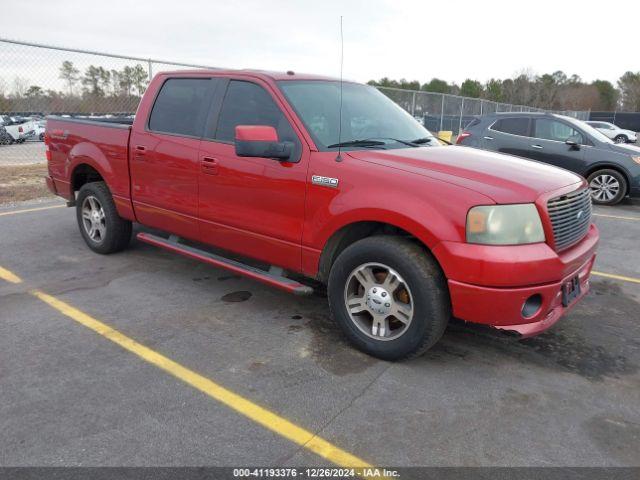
x=164 y=181
x=253 y=206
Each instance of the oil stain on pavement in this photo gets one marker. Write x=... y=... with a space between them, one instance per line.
x=235 y=297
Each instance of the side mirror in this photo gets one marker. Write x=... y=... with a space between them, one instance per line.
x=573 y=142
x=261 y=141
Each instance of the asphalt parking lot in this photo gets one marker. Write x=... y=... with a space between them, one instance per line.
x=74 y=393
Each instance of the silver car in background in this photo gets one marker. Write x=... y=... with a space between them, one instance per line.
x=614 y=132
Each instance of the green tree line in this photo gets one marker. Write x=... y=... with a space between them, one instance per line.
x=96 y=90
x=552 y=91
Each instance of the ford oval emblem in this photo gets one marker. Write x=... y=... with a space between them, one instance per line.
x=579 y=215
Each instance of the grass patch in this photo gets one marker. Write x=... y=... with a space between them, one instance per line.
x=23 y=182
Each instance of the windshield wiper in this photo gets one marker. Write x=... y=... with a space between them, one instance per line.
x=430 y=139
x=412 y=143
x=404 y=142
x=358 y=143
x=421 y=141
x=376 y=141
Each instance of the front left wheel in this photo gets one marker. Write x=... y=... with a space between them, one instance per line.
x=103 y=230
x=621 y=139
x=389 y=297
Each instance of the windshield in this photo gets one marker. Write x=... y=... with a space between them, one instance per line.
x=369 y=119
x=589 y=130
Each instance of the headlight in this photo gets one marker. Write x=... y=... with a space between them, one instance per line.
x=636 y=159
x=504 y=225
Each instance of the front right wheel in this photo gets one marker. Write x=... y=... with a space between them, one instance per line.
x=608 y=187
x=389 y=297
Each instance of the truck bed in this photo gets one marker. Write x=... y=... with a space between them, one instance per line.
x=102 y=144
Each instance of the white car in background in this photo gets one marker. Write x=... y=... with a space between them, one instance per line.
x=18 y=128
x=614 y=132
x=38 y=129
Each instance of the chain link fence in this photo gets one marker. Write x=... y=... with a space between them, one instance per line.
x=41 y=80
x=38 y=80
x=445 y=112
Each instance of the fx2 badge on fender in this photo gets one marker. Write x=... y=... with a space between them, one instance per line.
x=325 y=181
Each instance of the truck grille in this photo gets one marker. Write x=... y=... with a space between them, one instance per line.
x=570 y=216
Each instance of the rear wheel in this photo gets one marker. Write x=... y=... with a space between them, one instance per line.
x=608 y=187
x=389 y=297
x=103 y=230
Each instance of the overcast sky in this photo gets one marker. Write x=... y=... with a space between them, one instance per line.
x=409 y=39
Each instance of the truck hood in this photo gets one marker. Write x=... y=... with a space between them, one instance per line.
x=503 y=178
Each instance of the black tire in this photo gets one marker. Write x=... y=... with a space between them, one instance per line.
x=427 y=284
x=117 y=230
x=41 y=137
x=593 y=183
x=621 y=139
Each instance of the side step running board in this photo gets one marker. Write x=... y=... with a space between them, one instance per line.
x=263 y=276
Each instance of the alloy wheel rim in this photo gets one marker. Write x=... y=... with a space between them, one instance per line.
x=93 y=219
x=378 y=301
x=604 y=188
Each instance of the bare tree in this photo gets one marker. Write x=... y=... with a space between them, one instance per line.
x=20 y=86
x=69 y=74
x=140 y=79
x=629 y=85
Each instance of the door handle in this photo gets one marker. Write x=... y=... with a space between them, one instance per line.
x=539 y=147
x=488 y=138
x=139 y=152
x=209 y=165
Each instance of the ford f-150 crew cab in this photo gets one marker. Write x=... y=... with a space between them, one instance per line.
x=303 y=176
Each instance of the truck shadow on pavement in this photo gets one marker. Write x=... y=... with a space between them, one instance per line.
x=595 y=340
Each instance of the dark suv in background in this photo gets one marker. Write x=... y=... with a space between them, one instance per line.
x=613 y=170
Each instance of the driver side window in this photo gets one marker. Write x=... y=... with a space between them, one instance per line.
x=246 y=103
x=547 y=129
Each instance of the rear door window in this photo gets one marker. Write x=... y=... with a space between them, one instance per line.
x=513 y=126
x=181 y=107
x=548 y=129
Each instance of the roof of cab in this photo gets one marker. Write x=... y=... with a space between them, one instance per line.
x=265 y=74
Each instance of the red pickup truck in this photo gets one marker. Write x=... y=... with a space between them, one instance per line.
x=305 y=176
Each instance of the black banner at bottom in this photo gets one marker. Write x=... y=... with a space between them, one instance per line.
x=405 y=473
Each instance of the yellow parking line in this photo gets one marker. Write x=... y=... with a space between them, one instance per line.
x=8 y=276
x=619 y=217
x=15 y=212
x=243 y=406
x=616 y=277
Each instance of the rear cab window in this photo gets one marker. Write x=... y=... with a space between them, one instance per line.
x=514 y=126
x=181 y=107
